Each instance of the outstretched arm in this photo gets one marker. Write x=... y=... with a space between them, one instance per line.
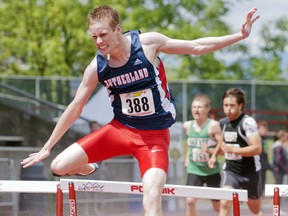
x=199 y=46
x=68 y=117
x=210 y=44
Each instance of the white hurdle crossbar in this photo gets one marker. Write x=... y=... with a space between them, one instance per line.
x=168 y=190
x=28 y=186
x=22 y=186
x=283 y=190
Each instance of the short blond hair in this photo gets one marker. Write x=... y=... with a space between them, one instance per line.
x=204 y=98
x=103 y=12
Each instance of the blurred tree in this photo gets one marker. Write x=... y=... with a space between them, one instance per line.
x=50 y=38
x=44 y=37
x=267 y=64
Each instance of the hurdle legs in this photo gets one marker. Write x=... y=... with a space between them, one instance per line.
x=276 y=202
x=236 y=205
x=72 y=201
x=59 y=201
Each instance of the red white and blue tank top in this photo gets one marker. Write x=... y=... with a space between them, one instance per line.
x=138 y=91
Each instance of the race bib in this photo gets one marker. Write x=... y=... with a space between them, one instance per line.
x=138 y=103
x=199 y=156
x=232 y=156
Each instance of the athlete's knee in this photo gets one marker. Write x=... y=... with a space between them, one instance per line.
x=57 y=167
x=255 y=210
x=225 y=204
x=190 y=202
x=152 y=203
x=260 y=213
x=216 y=205
x=152 y=199
x=153 y=195
x=153 y=183
x=255 y=206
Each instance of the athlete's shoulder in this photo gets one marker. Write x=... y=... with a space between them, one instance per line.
x=213 y=124
x=223 y=120
x=152 y=37
x=186 y=125
x=90 y=76
x=92 y=67
x=214 y=127
x=213 y=121
x=129 y=32
x=249 y=123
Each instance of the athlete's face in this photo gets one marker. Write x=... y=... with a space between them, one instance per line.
x=231 y=108
x=104 y=36
x=199 y=110
x=263 y=130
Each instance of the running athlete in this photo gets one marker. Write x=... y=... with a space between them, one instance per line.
x=280 y=157
x=129 y=67
x=242 y=148
x=203 y=135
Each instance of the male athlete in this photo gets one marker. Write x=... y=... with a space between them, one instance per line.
x=129 y=67
x=203 y=135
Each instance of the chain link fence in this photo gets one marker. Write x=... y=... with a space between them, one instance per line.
x=265 y=100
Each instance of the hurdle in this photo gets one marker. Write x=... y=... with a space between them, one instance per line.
x=76 y=185
x=276 y=191
x=168 y=190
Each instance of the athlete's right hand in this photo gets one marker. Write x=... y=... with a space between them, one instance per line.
x=212 y=161
x=35 y=158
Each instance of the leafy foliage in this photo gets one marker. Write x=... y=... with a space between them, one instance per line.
x=49 y=37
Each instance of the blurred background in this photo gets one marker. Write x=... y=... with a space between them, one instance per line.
x=45 y=47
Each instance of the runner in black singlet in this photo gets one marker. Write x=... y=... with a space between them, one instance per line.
x=242 y=148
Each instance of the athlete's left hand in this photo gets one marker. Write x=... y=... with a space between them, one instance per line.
x=247 y=24
x=35 y=158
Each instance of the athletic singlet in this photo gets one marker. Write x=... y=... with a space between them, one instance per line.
x=197 y=159
x=235 y=134
x=138 y=91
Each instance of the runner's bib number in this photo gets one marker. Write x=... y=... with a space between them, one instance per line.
x=138 y=103
x=232 y=156
x=200 y=156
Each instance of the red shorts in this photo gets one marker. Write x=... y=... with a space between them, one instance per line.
x=149 y=147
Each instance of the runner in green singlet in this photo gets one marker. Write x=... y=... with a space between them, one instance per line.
x=203 y=134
